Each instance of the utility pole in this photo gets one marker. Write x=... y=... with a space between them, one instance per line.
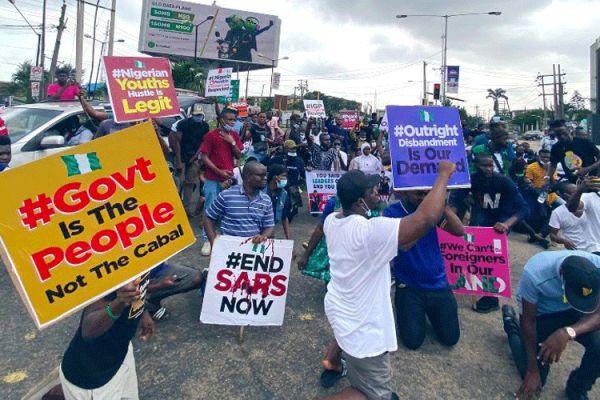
x=43 y=51
x=557 y=87
x=61 y=27
x=79 y=40
x=93 y=48
x=555 y=90
x=425 y=100
x=561 y=103
x=111 y=35
x=540 y=77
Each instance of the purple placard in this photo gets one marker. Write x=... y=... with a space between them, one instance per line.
x=421 y=137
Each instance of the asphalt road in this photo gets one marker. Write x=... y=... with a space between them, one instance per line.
x=188 y=360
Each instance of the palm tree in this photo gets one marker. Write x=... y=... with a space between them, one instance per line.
x=495 y=95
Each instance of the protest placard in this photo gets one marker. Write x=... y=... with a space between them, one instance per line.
x=140 y=88
x=320 y=186
x=314 y=108
x=104 y=218
x=218 y=82
x=247 y=283
x=477 y=263
x=350 y=119
x=421 y=137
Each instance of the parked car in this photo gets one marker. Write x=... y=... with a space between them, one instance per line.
x=532 y=135
x=39 y=130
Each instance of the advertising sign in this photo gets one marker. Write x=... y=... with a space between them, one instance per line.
x=231 y=37
x=452 y=74
x=140 y=88
x=314 y=108
x=276 y=80
x=218 y=82
x=477 y=263
x=103 y=219
x=320 y=186
x=247 y=283
x=421 y=137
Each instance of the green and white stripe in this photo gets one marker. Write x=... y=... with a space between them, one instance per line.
x=139 y=64
x=78 y=164
x=469 y=238
x=426 y=116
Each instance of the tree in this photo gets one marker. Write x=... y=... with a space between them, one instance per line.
x=189 y=75
x=496 y=95
x=470 y=120
x=529 y=119
x=575 y=109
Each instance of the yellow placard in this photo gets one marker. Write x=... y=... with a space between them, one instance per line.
x=77 y=225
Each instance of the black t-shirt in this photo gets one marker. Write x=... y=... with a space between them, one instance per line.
x=294 y=165
x=576 y=153
x=192 y=134
x=90 y=364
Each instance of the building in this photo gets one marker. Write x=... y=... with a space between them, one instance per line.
x=595 y=86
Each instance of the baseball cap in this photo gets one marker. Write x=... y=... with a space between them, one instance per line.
x=581 y=282
x=353 y=184
x=289 y=145
x=197 y=109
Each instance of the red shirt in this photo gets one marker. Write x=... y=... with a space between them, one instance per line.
x=70 y=92
x=219 y=152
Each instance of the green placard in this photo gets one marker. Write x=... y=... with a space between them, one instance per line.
x=234 y=94
x=172 y=26
x=161 y=12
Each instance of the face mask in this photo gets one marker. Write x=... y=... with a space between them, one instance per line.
x=198 y=118
x=334 y=123
x=366 y=209
x=292 y=153
x=281 y=184
x=302 y=135
x=228 y=128
x=262 y=138
x=3 y=166
x=373 y=145
x=296 y=126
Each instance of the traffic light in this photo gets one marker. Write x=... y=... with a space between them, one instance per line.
x=436 y=91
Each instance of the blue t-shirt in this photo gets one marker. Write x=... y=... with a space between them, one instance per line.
x=541 y=283
x=422 y=266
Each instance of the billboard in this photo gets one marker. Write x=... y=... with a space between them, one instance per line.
x=231 y=37
x=452 y=74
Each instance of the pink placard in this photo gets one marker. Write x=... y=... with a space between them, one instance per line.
x=476 y=263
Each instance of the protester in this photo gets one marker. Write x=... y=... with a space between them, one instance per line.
x=548 y=140
x=340 y=163
x=185 y=143
x=3 y=128
x=260 y=132
x=76 y=133
x=5 y=152
x=497 y=203
x=422 y=288
x=295 y=173
x=64 y=89
x=323 y=156
x=366 y=162
x=558 y=302
x=498 y=148
x=337 y=132
x=218 y=150
x=243 y=210
x=357 y=303
x=578 y=157
x=576 y=224
x=99 y=362
x=536 y=172
x=277 y=181
x=581 y=133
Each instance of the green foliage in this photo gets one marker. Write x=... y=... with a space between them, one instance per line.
x=575 y=109
x=495 y=95
x=332 y=104
x=471 y=121
x=530 y=118
x=189 y=75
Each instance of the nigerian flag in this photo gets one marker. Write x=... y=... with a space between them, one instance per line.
x=469 y=238
x=425 y=116
x=78 y=164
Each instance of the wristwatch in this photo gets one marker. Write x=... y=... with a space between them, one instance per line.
x=571 y=332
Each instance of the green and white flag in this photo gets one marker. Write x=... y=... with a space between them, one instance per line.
x=78 y=164
x=139 y=64
x=469 y=238
x=425 y=116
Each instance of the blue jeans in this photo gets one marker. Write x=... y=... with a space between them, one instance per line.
x=211 y=190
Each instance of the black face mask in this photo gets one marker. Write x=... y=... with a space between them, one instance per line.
x=324 y=147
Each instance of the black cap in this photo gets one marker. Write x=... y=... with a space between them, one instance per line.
x=582 y=282
x=557 y=123
x=353 y=184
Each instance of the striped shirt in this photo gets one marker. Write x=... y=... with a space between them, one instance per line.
x=240 y=215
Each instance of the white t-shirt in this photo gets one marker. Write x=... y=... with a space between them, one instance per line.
x=584 y=231
x=370 y=164
x=358 y=304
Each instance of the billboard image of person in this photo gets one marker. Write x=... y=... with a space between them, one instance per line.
x=240 y=39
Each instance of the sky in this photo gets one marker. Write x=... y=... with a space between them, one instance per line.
x=359 y=50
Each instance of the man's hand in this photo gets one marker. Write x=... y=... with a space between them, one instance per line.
x=125 y=296
x=168 y=281
x=259 y=239
x=446 y=168
x=224 y=174
x=227 y=137
x=552 y=348
x=82 y=92
x=569 y=245
x=501 y=227
x=531 y=388
x=590 y=184
x=147 y=327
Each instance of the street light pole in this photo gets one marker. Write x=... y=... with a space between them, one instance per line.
x=273 y=61
x=196 y=39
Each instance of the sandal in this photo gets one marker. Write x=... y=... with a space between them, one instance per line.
x=330 y=377
x=160 y=314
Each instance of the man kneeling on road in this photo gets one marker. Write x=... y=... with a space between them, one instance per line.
x=558 y=296
x=358 y=304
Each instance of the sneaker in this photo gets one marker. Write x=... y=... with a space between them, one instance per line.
x=486 y=304
x=206 y=249
x=511 y=324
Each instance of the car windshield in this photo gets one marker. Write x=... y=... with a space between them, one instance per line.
x=22 y=120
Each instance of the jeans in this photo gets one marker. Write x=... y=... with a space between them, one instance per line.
x=211 y=190
x=589 y=370
x=186 y=281
x=413 y=304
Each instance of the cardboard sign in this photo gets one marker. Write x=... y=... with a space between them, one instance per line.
x=218 y=82
x=350 y=119
x=320 y=186
x=104 y=218
x=314 y=108
x=247 y=283
x=140 y=88
x=477 y=263
x=421 y=137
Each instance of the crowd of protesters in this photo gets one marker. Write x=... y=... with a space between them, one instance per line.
x=247 y=175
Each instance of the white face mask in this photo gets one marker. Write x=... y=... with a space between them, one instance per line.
x=292 y=153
